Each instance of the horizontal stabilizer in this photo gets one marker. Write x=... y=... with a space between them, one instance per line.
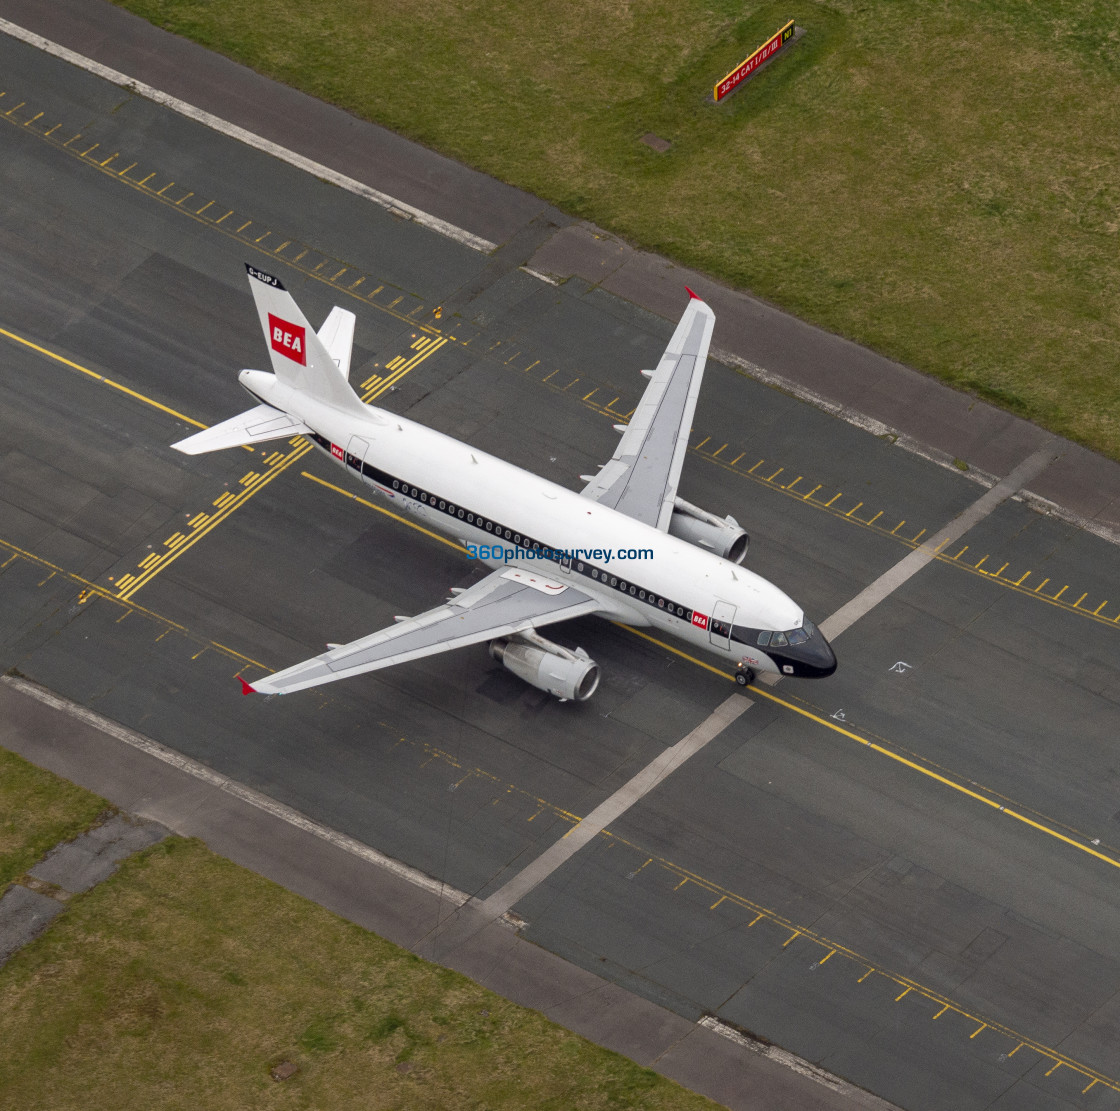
x=254 y=427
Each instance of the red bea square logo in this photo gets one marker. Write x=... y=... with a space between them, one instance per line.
x=700 y=619
x=336 y=451
x=288 y=339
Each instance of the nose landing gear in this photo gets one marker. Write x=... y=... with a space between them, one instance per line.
x=744 y=676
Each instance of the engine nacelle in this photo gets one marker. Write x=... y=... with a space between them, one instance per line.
x=548 y=666
x=724 y=537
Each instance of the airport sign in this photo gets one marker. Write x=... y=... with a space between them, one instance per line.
x=763 y=54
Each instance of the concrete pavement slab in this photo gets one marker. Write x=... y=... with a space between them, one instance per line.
x=24 y=915
x=77 y=865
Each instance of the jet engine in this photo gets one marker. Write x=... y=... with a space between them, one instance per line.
x=724 y=537
x=548 y=666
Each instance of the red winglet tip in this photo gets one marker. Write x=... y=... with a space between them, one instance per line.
x=692 y=295
x=245 y=688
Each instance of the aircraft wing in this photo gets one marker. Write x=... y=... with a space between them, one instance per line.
x=641 y=478
x=505 y=602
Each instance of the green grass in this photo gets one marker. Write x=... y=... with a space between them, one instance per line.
x=934 y=180
x=37 y=810
x=182 y=980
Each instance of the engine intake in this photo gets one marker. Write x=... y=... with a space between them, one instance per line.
x=724 y=537
x=547 y=666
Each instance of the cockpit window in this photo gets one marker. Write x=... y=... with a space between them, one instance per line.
x=770 y=638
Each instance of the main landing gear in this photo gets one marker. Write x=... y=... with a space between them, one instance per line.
x=744 y=676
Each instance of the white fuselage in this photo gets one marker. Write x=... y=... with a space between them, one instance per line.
x=480 y=500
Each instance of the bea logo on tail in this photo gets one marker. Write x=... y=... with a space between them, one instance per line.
x=288 y=339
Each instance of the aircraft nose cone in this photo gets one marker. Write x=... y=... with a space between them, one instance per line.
x=817 y=658
x=828 y=661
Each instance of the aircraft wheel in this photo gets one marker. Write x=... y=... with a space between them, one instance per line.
x=744 y=676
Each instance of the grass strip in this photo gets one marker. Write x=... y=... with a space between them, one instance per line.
x=37 y=810
x=183 y=979
x=935 y=181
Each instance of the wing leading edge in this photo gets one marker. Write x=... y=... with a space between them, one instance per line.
x=505 y=602
x=642 y=476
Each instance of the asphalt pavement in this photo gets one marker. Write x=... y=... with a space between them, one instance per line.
x=904 y=874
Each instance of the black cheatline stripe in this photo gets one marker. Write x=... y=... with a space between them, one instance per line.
x=459 y=512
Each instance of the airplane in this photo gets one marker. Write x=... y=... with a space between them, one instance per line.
x=625 y=547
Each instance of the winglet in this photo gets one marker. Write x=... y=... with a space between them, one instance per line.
x=693 y=295
x=245 y=688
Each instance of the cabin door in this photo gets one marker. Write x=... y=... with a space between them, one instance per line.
x=719 y=624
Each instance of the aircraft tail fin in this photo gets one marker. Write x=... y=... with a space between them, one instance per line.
x=316 y=363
